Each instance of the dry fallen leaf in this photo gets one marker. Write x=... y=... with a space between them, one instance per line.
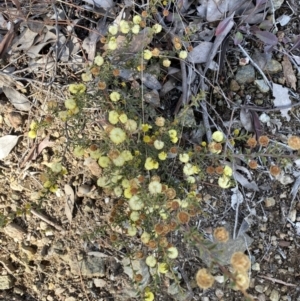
x=7 y=143
x=18 y=100
x=288 y=72
x=282 y=100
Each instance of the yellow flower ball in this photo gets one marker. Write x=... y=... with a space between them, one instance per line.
x=126 y=154
x=131 y=231
x=53 y=188
x=98 y=60
x=113 y=117
x=145 y=237
x=130 y=125
x=162 y=156
x=218 y=136
x=135 y=29
x=158 y=144
x=174 y=139
x=123 y=118
x=188 y=169
x=184 y=157
x=33 y=125
x=86 y=77
x=146 y=127
x=155 y=52
x=148 y=296
x=160 y=121
x=172 y=252
x=172 y=133
x=147 y=139
x=157 y=28
x=227 y=171
x=155 y=187
x=136 y=19
x=224 y=182
x=124 y=26
x=32 y=134
x=151 y=261
x=117 y=136
x=112 y=44
x=163 y=267
x=127 y=193
x=191 y=180
x=78 y=151
x=70 y=104
x=183 y=54
x=166 y=63
x=118 y=191
x=113 y=29
x=63 y=115
x=114 y=96
x=135 y=203
x=103 y=182
x=125 y=183
x=147 y=54
x=119 y=161
x=236 y=132
x=77 y=88
x=151 y=164
x=134 y=216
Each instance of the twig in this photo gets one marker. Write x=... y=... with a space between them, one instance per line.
x=184 y=82
x=277 y=281
x=46 y=220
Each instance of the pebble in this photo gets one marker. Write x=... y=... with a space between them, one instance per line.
x=219 y=293
x=245 y=74
x=274 y=296
x=220 y=278
x=270 y=202
x=262 y=86
x=259 y=288
x=273 y=67
x=234 y=86
x=14 y=231
x=292 y=215
x=256 y=267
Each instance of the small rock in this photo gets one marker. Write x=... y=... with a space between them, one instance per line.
x=246 y=74
x=90 y=266
x=234 y=86
x=220 y=279
x=83 y=190
x=274 y=295
x=292 y=215
x=256 y=267
x=262 y=86
x=259 y=288
x=15 y=119
x=6 y=282
x=270 y=202
x=273 y=67
x=99 y=282
x=219 y=293
x=14 y=231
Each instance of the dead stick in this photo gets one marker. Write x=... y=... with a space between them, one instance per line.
x=46 y=220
